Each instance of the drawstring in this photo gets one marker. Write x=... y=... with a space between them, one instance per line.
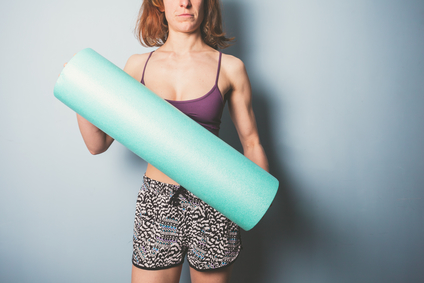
x=174 y=200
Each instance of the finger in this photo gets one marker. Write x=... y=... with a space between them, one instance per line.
x=64 y=65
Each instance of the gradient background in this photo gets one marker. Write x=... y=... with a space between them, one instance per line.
x=338 y=90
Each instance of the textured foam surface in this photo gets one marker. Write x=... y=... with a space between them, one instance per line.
x=165 y=137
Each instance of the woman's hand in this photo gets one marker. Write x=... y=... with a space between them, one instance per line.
x=64 y=65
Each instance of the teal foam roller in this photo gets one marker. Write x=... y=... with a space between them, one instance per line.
x=162 y=135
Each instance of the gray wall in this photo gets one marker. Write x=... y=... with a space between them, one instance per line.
x=338 y=96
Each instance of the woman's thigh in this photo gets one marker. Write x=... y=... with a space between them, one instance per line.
x=168 y=275
x=220 y=275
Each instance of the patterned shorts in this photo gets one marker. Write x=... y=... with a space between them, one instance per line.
x=170 y=223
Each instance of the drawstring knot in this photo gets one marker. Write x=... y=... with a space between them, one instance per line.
x=174 y=200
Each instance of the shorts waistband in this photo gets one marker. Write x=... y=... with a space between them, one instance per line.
x=159 y=186
x=170 y=189
x=159 y=183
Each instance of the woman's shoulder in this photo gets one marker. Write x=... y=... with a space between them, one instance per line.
x=232 y=66
x=231 y=63
x=135 y=64
x=137 y=59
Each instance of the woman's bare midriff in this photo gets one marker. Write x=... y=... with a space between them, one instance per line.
x=155 y=174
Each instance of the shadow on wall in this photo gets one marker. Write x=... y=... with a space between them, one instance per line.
x=285 y=224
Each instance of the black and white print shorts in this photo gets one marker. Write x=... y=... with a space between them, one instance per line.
x=171 y=222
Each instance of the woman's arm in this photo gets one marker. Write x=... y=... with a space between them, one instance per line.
x=241 y=112
x=95 y=139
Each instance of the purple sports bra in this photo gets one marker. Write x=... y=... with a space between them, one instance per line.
x=205 y=110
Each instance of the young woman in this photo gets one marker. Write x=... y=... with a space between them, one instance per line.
x=189 y=72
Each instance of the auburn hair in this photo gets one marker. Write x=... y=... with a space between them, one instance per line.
x=152 y=27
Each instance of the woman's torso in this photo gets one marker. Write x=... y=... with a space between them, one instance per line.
x=192 y=83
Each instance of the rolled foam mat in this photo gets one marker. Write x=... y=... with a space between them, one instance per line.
x=162 y=135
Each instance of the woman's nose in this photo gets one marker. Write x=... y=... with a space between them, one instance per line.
x=185 y=3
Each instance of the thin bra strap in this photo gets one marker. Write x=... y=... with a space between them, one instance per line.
x=219 y=67
x=142 y=77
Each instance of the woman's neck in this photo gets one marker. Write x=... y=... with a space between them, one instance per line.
x=183 y=43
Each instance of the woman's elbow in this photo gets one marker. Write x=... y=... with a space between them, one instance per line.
x=98 y=148
x=96 y=151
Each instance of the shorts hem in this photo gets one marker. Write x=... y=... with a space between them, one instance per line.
x=157 y=268
x=211 y=269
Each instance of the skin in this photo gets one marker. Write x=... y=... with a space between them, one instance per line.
x=189 y=66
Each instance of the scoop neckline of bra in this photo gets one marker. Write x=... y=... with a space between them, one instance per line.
x=199 y=98
x=194 y=99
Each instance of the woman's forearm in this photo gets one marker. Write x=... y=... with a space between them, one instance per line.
x=256 y=154
x=95 y=139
